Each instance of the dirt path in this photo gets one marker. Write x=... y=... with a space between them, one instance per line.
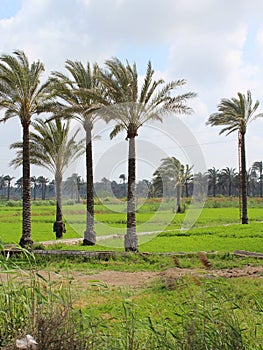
x=142 y=278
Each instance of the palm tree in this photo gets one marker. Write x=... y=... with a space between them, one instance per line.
x=123 y=178
x=251 y=182
x=258 y=167
x=228 y=176
x=213 y=174
x=8 y=179
x=185 y=174
x=2 y=183
x=33 y=180
x=134 y=106
x=53 y=149
x=174 y=175
x=80 y=104
x=22 y=95
x=235 y=114
x=72 y=186
x=19 y=186
x=188 y=176
x=42 y=181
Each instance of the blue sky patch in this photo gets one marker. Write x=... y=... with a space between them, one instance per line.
x=8 y=8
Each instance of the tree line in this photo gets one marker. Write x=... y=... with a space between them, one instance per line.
x=88 y=93
x=225 y=182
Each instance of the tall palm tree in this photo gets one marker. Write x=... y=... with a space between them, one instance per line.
x=80 y=104
x=258 y=167
x=52 y=148
x=22 y=95
x=135 y=106
x=235 y=114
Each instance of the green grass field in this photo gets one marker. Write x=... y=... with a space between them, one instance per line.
x=217 y=228
x=194 y=309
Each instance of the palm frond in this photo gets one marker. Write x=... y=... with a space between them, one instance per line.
x=118 y=128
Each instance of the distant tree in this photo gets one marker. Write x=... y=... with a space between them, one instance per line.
x=229 y=176
x=213 y=176
x=143 y=188
x=33 y=180
x=51 y=188
x=235 y=114
x=188 y=177
x=8 y=179
x=252 y=182
x=72 y=186
x=200 y=183
x=174 y=175
x=22 y=95
x=43 y=181
x=258 y=167
x=2 y=182
x=123 y=178
x=19 y=186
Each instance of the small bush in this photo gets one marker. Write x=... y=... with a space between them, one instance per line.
x=13 y=203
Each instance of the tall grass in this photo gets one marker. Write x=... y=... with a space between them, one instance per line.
x=32 y=303
x=172 y=313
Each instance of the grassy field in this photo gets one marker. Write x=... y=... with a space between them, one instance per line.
x=183 y=301
x=217 y=228
x=64 y=303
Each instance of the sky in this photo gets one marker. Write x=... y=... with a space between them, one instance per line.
x=217 y=46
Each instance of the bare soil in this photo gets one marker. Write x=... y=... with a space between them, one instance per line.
x=142 y=278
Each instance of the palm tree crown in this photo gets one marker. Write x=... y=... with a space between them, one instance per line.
x=235 y=113
x=135 y=106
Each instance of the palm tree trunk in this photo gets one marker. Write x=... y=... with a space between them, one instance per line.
x=230 y=187
x=89 y=234
x=261 y=181
x=131 y=239
x=26 y=240
x=178 y=197
x=214 y=188
x=59 y=226
x=78 y=192
x=42 y=191
x=186 y=189
x=8 y=190
x=244 y=218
